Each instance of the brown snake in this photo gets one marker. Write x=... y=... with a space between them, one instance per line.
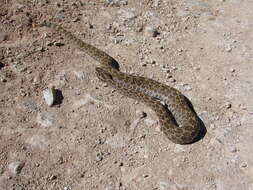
x=178 y=120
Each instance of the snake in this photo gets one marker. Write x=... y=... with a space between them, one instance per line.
x=178 y=120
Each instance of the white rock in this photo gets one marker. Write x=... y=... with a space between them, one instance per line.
x=16 y=167
x=150 y=31
x=228 y=48
x=49 y=95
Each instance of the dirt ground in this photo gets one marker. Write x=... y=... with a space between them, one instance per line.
x=95 y=138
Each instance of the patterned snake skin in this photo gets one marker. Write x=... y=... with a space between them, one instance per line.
x=178 y=120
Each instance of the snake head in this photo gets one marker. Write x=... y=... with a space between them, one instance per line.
x=104 y=75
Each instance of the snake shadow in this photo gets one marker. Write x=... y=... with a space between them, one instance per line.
x=203 y=130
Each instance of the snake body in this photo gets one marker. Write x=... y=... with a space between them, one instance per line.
x=178 y=120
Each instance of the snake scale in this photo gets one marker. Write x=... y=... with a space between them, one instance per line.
x=178 y=120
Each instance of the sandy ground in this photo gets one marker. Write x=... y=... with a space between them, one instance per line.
x=95 y=138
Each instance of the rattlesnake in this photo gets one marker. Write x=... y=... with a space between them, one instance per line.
x=178 y=120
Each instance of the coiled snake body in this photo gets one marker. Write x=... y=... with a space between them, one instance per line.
x=178 y=120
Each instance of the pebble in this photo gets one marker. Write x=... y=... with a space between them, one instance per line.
x=53 y=177
x=228 y=105
x=58 y=44
x=3 y=77
x=151 y=32
x=244 y=165
x=187 y=87
x=172 y=79
x=16 y=167
x=151 y=62
x=49 y=95
x=233 y=149
x=143 y=64
x=141 y=114
x=76 y=19
x=228 y=48
x=196 y=68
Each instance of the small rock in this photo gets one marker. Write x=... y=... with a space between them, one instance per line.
x=53 y=177
x=232 y=70
x=105 y=85
x=172 y=80
x=233 y=149
x=99 y=156
x=151 y=32
x=141 y=114
x=151 y=62
x=49 y=95
x=228 y=48
x=174 y=68
x=228 y=105
x=3 y=77
x=76 y=19
x=58 y=44
x=196 y=68
x=187 y=87
x=244 y=165
x=16 y=167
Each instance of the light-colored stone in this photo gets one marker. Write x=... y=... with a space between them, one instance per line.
x=49 y=95
x=16 y=167
x=150 y=31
